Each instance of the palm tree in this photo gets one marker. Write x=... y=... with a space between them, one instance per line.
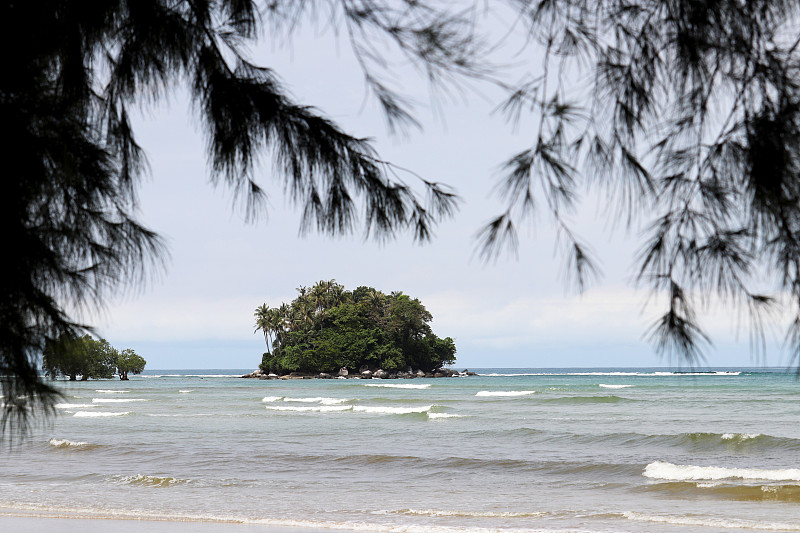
x=319 y=296
x=265 y=323
x=283 y=321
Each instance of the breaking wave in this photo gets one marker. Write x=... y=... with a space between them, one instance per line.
x=310 y=408
x=318 y=399
x=64 y=443
x=149 y=481
x=391 y=410
x=353 y=408
x=673 y=472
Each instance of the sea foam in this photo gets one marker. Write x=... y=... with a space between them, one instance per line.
x=149 y=481
x=740 y=436
x=604 y=386
x=74 y=405
x=310 y=408
x=465 y=514
x=710 y=522
x=673 y=472
x=319 y=400
x=267 y=399
x=391 y=410
x=356 y=408
x=64 y=443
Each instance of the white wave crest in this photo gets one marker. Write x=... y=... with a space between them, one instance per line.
x=74 y=405
x=117 y=400
x=110 y=391
x=356 y=408
x=186 y=391
x=604 y=386
x=149 y=481
x=443 y=415
x=740 y=436
x=724 y=523
x=267 y=399
x=319 y=400
x=88 y=414
x=310 y=408
x=466 y=514
x=505 y=393
x=366 y=527
x=672 y=472
x=391 y=410
x=399 y=385
x=64 y=443
x=718 y=373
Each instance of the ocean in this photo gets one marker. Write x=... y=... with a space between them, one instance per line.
x=536 y=450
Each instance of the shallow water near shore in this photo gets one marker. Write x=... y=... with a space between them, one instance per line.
x=595 y=450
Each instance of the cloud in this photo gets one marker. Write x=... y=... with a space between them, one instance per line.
x=173 y=319
x=607 y=313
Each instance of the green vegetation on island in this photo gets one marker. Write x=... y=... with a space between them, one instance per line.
x=327 y=327
x=89 y=358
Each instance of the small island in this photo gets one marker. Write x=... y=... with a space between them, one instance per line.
x=328 y=331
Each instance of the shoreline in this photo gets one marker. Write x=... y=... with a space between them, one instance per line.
x=20 y=521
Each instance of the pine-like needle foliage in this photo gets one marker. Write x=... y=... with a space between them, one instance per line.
x=72 y=72
x=686 y=113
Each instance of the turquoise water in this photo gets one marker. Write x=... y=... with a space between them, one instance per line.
x=595 y=450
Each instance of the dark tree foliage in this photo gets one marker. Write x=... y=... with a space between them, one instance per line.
x=327 y=327
x=129 y=362
x=73 y=70
x=85 y=356
x=687 y=114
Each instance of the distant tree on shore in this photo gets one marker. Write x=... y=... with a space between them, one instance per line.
x=89 y=358
x=327 y=327
x=129 y=362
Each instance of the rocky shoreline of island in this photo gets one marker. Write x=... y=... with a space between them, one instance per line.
x=364 y=373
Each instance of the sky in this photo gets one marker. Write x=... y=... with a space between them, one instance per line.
x=512 y=312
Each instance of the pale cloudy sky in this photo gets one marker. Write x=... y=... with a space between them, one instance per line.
x=511 y=313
